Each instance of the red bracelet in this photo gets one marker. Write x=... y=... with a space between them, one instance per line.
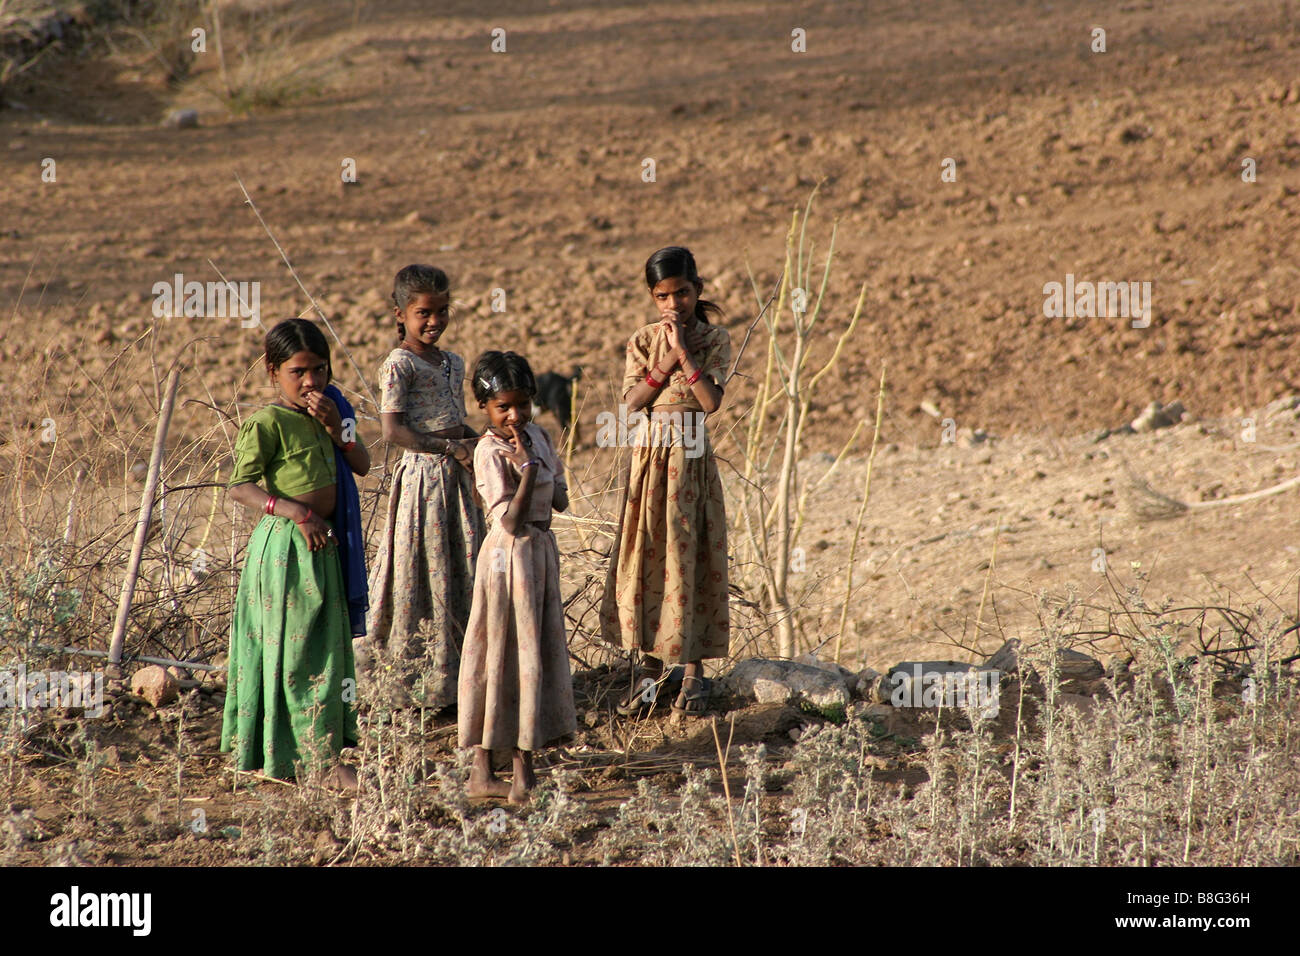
x=310 y=515
x=694 y=378
x=349 y=446
x=651 y=382
x=269 y=507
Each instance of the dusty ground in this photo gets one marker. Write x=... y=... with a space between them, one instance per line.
x=522 y=171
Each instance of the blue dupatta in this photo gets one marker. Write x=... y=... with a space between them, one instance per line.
x=347 y=519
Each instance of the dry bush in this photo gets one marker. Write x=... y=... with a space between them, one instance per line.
x=768 y=499
x=73 y=470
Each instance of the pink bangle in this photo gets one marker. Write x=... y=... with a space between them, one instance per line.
x=269 y=507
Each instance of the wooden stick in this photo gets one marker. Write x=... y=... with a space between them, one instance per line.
x=164 y=661
x=146 y=513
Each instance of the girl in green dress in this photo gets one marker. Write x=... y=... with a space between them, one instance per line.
x=292 y=680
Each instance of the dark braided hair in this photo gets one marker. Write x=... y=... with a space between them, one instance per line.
x=676 y=262
x=496 y=372
x=292 y=336
x=417 y=280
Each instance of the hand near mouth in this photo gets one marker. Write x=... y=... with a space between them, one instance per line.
x=521 y=448
x=675 y=335
x=324 y=411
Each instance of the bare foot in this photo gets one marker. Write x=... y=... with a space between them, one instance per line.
x=490 y=787
x=524 y=778
x=482 y=781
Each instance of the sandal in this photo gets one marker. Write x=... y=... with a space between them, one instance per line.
x=693 y=703
x=642 y=699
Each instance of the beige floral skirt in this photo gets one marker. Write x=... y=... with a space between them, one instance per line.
x=421 y=584
x=666 y=588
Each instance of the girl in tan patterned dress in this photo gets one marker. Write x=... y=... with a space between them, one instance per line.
x=515 y=688
x=423 y=576
x=666 y=589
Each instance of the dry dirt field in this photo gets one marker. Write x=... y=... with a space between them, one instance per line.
x=1172 y=158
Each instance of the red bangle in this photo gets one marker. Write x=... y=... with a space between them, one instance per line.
x=349 y=446
x=694 y=378
x=310 y=515
x=651 y=382
x=269 y=507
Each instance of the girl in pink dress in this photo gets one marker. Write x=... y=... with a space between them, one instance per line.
x=515 y=689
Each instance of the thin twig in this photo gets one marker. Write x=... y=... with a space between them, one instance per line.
x=293 y=272
x=726 y=784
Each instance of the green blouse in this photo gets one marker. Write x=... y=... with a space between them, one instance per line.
x=289 y=449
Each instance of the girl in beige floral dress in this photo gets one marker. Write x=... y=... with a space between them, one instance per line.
x=666 y=589
x=516 y=692
x=423 y=576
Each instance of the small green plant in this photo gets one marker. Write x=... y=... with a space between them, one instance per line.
x=36 y=604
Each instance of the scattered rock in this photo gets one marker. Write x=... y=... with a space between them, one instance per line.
x=1072 y=665
x=767 y=691
x=182 y=119
x=867 y=685
x=812 y=660
x=1156 y=416
x=924 y=683
x=1006 y=658
x=770 y=681
x=1075 y=665
x=155 y=685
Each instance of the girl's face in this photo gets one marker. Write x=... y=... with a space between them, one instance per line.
x=508 y=408
x=300 y=375
x=676 y=298
x=425 y=318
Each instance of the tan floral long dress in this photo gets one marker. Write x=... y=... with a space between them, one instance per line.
x=666 y=588
x=423 y=576
x=516 y=690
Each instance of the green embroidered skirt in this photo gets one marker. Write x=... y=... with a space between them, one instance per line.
x=291 y=685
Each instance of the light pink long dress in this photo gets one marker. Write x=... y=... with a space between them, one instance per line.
x=515 y=687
